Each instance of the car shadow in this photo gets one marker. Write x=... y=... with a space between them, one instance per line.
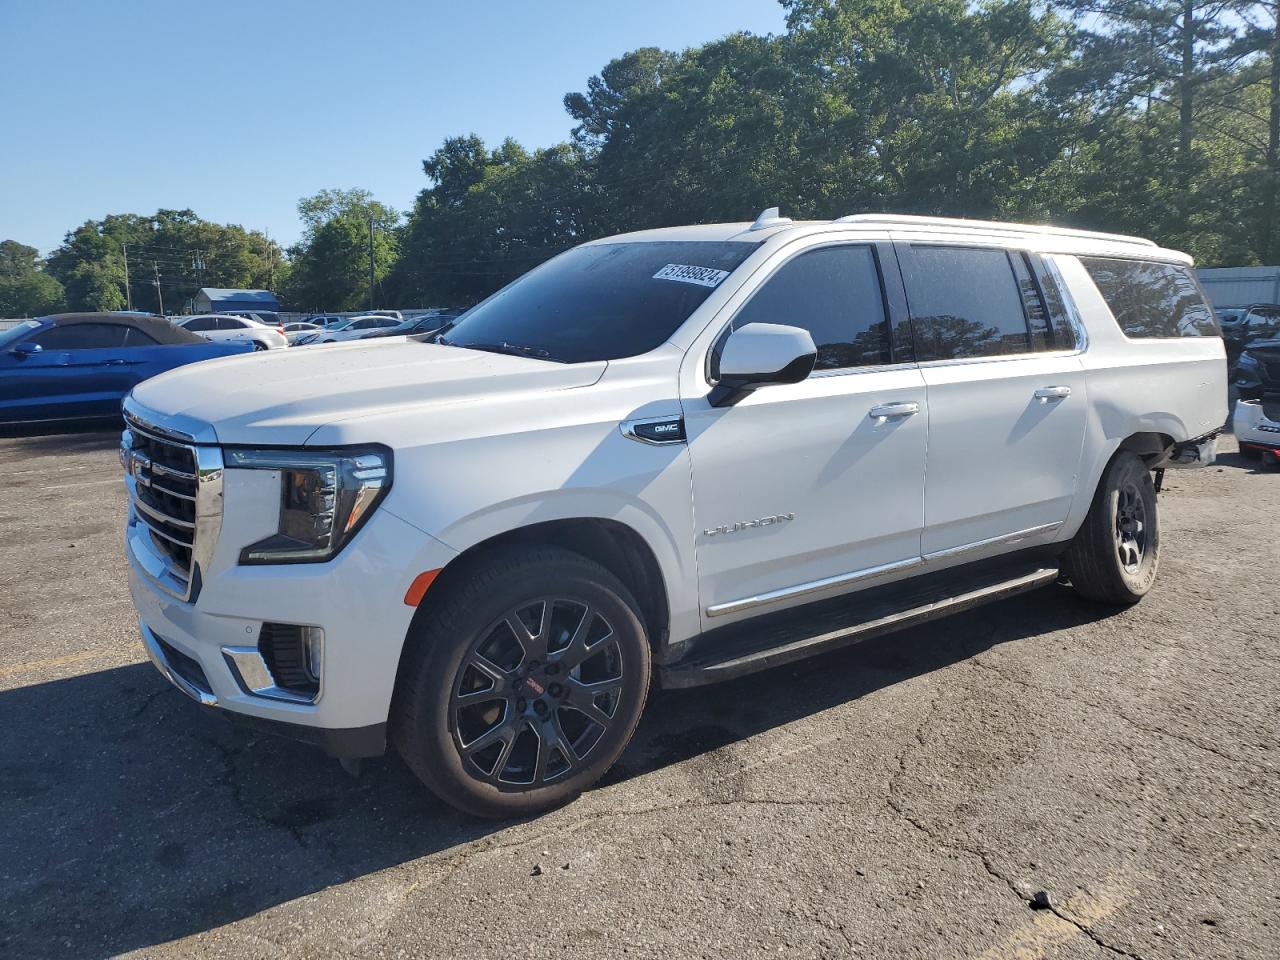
x=72 y=436
x=133 y=817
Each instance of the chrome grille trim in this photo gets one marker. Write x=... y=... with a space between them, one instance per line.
x=173 y=525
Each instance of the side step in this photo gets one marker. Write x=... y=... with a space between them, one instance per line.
x=777 y=639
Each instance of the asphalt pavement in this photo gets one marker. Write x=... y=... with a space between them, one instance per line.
x=1037 y=778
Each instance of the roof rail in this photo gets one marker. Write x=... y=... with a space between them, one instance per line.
x=988 y=226
x=771 y=217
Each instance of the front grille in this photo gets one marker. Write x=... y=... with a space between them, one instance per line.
x=167 y=500
x=283 y=650
x=186 y=667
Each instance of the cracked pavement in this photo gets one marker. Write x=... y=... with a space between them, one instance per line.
x=906 y=798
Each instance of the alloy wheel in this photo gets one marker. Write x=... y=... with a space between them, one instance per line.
x=1131 y=528
x=536 y=693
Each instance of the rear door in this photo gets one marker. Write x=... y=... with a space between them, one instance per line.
x=1007 y=397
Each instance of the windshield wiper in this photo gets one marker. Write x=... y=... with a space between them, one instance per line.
x=510 y=349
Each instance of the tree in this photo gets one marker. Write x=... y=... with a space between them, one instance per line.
x=489 y=216
x=329 y=268
x=25 y=289
x=111 y=263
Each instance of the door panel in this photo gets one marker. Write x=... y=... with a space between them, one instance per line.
x=1007 y=397
x=810 y=488
x=800 y=483
x=1001 y=458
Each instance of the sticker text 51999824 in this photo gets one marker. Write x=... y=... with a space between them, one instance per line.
x=684 y=273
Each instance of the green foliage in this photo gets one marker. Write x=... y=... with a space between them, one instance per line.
x=175 y=246
x=25 y=289
x=329 y=267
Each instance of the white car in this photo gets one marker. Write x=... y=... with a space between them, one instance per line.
x=298 y=329
x=673 y=456
x=225 y=327
x=352 y=329
x=1256 y=424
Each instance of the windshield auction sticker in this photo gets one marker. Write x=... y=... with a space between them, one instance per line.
x=683 y=273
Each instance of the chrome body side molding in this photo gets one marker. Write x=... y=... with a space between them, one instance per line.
x=871 y=573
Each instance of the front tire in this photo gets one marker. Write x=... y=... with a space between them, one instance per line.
x=1115 y=555
x=522 y=684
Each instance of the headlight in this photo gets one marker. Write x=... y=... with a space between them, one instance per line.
x=325 y=495
x=1246 y=362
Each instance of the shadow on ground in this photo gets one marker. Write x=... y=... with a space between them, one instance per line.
x=73 y=436
x=132 y=817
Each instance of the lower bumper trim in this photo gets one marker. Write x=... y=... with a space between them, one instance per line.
x=345 y=743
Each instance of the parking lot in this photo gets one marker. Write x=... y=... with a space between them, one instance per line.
x=907 y=798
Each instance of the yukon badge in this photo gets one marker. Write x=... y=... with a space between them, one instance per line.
x=748 y=524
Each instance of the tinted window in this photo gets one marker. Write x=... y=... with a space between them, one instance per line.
x=133 y=337
x=600 y=302
x=1063 y=331
x=1152 y=299
x=834 y=293
x=200 y=324
x=81 y=336
x=231 y=323
x=965 y=302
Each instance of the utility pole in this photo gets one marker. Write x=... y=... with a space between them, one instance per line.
x=128 y=290
x=159 y=295
x=371 y=261
x=271 y=263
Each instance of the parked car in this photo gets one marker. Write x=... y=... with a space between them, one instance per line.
x=223 y=327
x=351 y=330
x=1257 y=369
x=1261 y=321
x=326 y=319
x=292 y=331
x=80 y=365
x=685 y=454
x=432 y=323
x=1256 y=424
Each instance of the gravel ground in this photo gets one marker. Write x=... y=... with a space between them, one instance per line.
x=906 y=798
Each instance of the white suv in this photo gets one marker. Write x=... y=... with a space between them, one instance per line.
x=679 y=455
x=222 y=327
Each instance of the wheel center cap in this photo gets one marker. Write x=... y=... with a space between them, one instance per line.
x=534 y=687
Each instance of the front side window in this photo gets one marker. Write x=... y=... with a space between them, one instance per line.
x=601 y=301
x=835 y=294
x=967 y=302
x=14 y=334
x=1151 y=300
x=81 y=336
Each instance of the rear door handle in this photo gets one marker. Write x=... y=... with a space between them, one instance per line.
x=887 y=411
x=1045 y=394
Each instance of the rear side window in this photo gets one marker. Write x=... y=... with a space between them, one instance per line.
x=834 y=293
x=1152 y=300
x=133 y=337
x=968 y=302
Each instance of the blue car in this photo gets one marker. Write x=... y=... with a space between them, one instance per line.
x=80 y=365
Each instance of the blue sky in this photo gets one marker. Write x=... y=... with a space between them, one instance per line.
x=236 y=109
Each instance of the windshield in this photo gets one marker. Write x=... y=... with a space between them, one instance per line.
x=600 y=302
x=14 y=334
x=1229 y=314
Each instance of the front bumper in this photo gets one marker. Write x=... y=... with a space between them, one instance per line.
x=207 y=649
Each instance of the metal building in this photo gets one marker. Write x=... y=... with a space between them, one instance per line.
x=223 y=300
x=1241 y=286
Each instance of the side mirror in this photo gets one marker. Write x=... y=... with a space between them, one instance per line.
x=25 y=349
x=760 y=354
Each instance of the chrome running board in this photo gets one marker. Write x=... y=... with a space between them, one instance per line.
x=829 y=625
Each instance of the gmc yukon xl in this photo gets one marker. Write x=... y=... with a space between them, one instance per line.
x=673 y=457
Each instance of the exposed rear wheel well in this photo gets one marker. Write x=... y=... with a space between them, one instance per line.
x=1149 y=446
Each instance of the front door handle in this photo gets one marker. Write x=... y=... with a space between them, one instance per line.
x=1045 y=394
x=887 y=411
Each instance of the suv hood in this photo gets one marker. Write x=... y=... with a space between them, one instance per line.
x=281 y=397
